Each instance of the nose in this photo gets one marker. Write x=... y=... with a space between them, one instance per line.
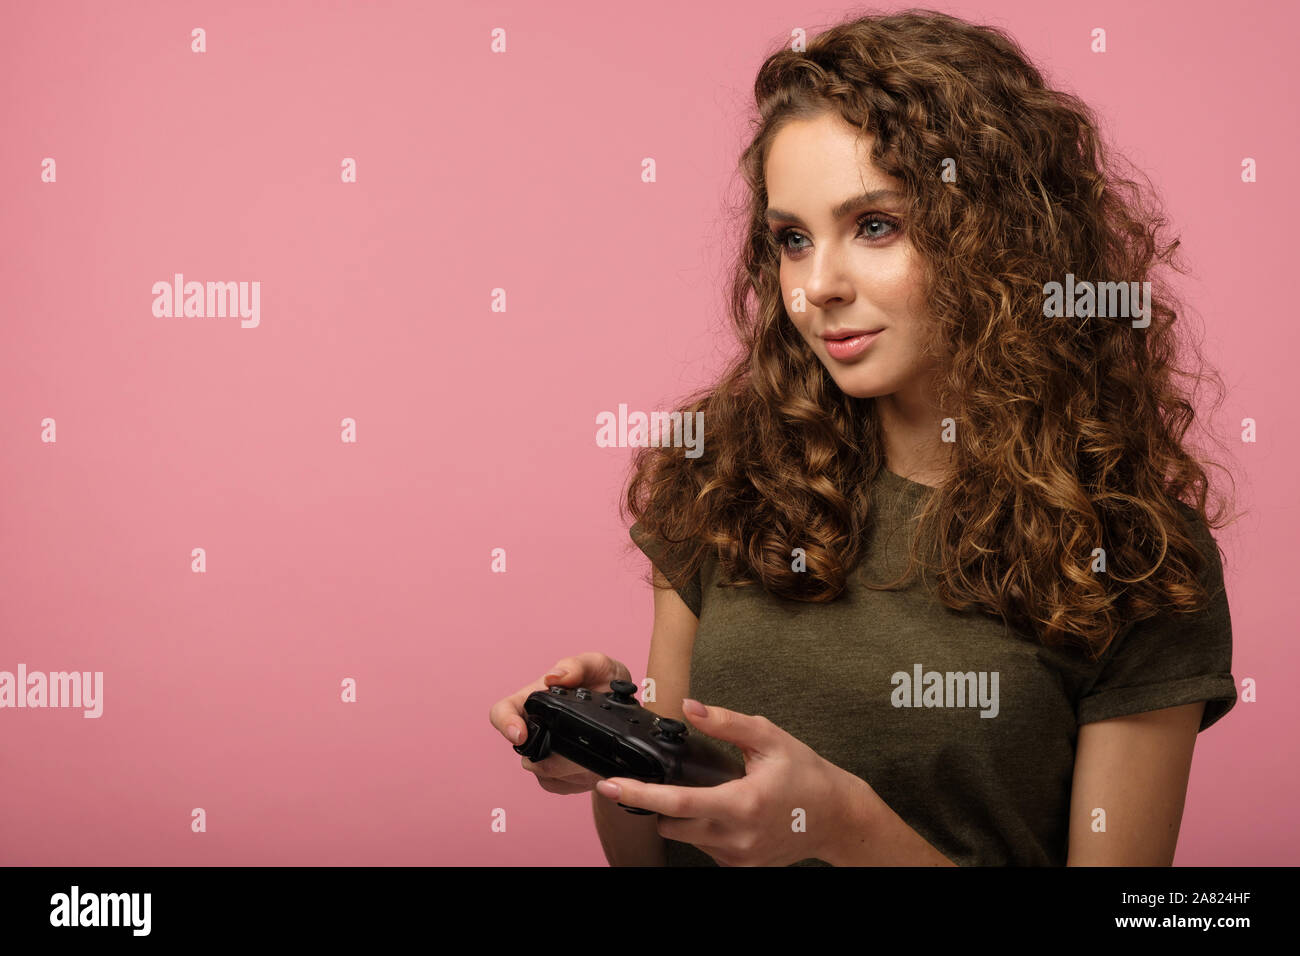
x=827 y=282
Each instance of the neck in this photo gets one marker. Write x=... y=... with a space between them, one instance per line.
x=911 y=428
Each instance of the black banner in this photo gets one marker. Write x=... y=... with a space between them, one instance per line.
x=236 y=904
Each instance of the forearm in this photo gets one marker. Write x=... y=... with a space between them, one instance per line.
x=872 y=834
x=629 y=839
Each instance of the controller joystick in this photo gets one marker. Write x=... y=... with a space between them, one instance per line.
x=672 y=731
x=622 y=692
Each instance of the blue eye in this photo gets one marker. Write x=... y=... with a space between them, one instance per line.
x=891 y=225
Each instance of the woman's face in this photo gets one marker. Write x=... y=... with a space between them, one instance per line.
x=847 y=260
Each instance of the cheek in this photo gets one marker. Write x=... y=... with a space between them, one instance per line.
x=896 y=277
x=802 y=320
x=898 y=292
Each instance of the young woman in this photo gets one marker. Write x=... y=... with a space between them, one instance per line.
x=943 y=575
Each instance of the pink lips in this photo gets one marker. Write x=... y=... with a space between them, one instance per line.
x=852 y=347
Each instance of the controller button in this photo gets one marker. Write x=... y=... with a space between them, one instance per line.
x=583 y=694
x=558 y=691
x=606 y=706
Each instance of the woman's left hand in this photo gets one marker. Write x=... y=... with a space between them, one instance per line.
x=791 y=804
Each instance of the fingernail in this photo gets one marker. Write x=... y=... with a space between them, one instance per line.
x=608 y=789
x=694 y=707
x=513 y=733
x=557 y=674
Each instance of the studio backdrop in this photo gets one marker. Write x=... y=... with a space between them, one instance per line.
x=290 y=536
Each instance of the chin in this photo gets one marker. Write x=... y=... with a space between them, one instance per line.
x=863 y=387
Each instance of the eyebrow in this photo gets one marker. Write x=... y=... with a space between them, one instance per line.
x=844 y=208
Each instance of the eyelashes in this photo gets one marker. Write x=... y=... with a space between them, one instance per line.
x=783 y=237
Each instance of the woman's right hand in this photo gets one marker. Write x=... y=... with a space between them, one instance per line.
x=558 y=774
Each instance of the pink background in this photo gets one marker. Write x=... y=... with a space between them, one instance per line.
x=476 y=430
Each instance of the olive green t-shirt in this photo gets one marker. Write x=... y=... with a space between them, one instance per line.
x=976 y=755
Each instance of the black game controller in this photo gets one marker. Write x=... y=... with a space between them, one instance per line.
x=612 y=735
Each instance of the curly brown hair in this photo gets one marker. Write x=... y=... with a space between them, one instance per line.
x=1071 y=434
